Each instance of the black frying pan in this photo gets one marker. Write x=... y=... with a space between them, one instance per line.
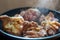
x=18 y=10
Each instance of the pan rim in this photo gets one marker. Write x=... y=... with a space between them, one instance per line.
x=31 y=38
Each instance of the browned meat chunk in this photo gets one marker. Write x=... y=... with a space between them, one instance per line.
x=29 y=25
x=42 y=33
x=13 y=25
x=51 y=32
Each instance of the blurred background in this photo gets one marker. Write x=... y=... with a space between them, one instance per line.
x=6 y=5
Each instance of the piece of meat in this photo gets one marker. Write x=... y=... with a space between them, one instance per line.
x=31 y=34
x=25 y=26
x=42 y=18
x=51 y=32
x=5 y=19
x=13 y=25
x=30 y=14
x=54 y=25
x=35 y=33
x=42 y=33
x=29 y=25
x=50 y=23
x=50 y=16
x=30 y=28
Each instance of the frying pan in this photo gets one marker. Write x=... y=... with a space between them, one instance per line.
x=18 y=10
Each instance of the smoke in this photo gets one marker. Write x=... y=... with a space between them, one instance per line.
x=50 y=4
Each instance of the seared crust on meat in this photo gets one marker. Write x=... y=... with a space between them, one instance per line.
x=13 y=25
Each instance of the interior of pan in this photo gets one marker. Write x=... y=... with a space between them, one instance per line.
x=42 y=10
